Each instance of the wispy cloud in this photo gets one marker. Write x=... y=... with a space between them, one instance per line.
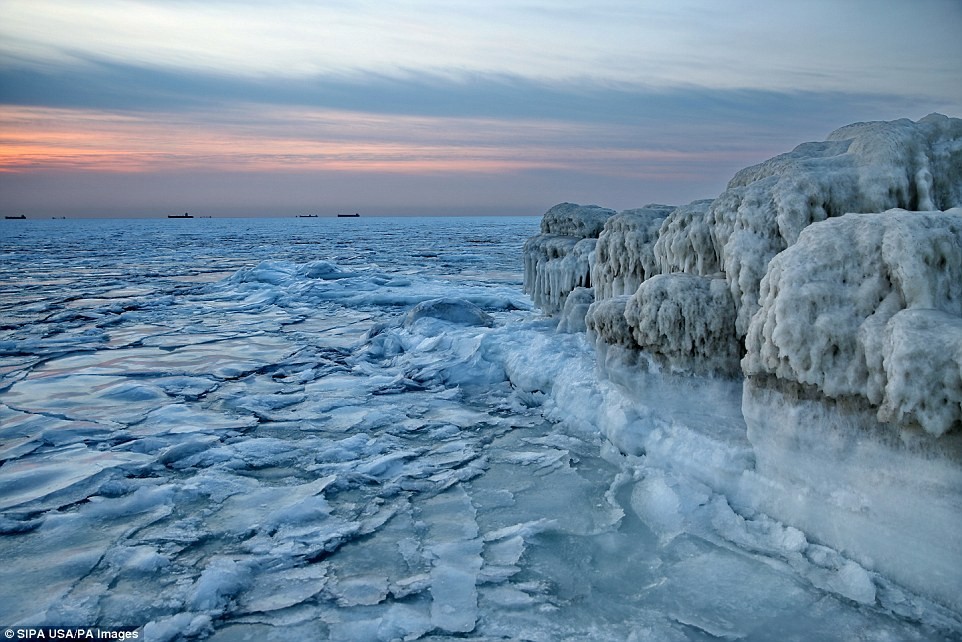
x=259 y=138
x=818 y=45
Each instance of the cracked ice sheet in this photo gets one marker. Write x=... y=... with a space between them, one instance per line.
x=308 y=496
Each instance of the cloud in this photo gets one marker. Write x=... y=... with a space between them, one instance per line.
x=122 y=87
x=815 y=46
x=610 y=101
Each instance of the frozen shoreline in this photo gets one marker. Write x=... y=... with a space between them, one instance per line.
x=835 y=312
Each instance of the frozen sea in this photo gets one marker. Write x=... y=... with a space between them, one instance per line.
x=360 y=429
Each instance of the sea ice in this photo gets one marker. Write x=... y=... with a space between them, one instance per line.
x=278 y=454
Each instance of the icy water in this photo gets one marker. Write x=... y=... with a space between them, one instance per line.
x=251 y=430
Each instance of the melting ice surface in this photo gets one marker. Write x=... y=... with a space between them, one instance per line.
x=360 y=430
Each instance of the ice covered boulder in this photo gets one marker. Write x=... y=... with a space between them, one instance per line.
x=685 y=321
x=853 y=395
x=557 y=260
x=685 y=242
x=457 y=311
x=869 y=306
x=624 y=256
x=865 y=167
x=579 y=221
x=606 y=321
x=554 y=266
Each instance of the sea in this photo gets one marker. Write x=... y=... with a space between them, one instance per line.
x=353 y=429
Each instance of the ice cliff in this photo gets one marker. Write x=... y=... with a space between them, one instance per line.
x=827 y=280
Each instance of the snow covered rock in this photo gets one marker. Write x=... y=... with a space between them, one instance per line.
x=624 y=256
x=606 y=320
x=579 y=221
x=870 y=306
x=686 y=321
x=458 y=311
x=685 y=242
x=865 y=167
x=557 y=260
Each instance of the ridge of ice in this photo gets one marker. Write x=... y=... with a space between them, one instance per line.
x=577 y=221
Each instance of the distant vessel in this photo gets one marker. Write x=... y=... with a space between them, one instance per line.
x=184 y=215
x=307 y=216
x=354 y=215
x=16 y=218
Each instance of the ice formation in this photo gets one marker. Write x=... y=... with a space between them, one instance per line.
x=685 y=319
x=865 y=167
x=827 y=284
x=576 y=306
x=684 y=242
x=578 y=221
x=606 y=320
x=869 y=306
x=557 y=260
x=624 y=256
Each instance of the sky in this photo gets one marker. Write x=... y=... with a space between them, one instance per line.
x=406 y=107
